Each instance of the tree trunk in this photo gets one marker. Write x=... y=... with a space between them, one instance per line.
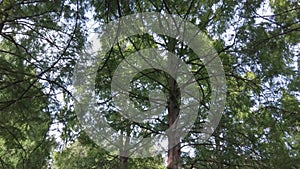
x=173 y=112
x=124 y=152
x=173 y=138
x=3 y=17
x=123 y=162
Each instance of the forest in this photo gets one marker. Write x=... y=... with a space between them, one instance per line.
x=148 y=84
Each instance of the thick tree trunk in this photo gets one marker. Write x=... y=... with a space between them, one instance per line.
x=173 y=138
x=173 y=112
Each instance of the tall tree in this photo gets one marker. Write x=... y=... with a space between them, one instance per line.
x=41 y=40
x=259 y=54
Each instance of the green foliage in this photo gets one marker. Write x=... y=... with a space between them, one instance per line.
x=39 y=45
x=32 y=39
x=261 y=116
x=86 y=154
x=24 y=121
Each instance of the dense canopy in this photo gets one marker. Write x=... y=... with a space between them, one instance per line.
x=258 y=43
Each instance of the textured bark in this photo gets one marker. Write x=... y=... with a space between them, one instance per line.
x=173 y=112
x=174 y=149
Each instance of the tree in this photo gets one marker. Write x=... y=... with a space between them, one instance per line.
x=24 y=121
x=84 y=153
x=255 y=124
x=36 y=43
x=41 y=42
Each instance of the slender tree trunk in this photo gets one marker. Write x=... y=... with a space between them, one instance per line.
x=218 y=148
x=3 y=19
x=124 y=153
x=1 y=27
x=173 y=112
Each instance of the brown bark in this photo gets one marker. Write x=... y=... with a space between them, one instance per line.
x=173 y=138
x=173 y=112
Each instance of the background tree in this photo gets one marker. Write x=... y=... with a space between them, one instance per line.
x=84 y=153
x=39 y=40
